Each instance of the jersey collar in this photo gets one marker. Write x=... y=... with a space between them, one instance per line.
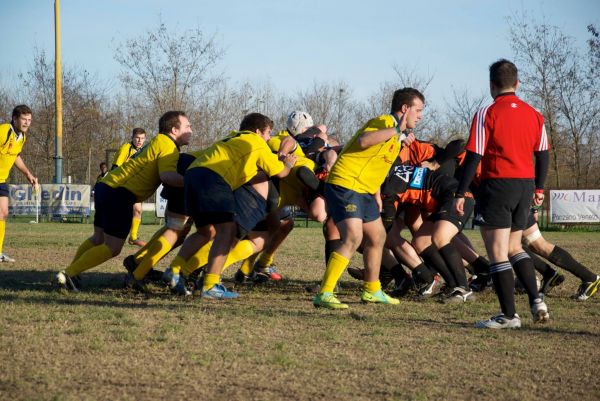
x=168 y=136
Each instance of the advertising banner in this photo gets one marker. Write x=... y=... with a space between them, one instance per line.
x=51 y=199
x=575 y=206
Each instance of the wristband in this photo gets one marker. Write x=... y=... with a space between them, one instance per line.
x=539 y=191
x=289 y=165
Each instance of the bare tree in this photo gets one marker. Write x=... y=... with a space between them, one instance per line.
x=555 y=79
x=168 y=69
x=460 y=109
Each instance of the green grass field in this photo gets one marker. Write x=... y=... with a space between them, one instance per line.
x=272 y=344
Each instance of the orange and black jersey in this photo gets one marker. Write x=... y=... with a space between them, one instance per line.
x=416 y=153
x=418 y=186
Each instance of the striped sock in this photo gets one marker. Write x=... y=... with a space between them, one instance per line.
x=504 y=284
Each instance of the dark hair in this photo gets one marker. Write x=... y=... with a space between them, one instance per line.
x=405 y=96
x=169 y=120
x=103 y=164
x=138 y=131
x=254 y=121
x=504 y=74
x=20 y=110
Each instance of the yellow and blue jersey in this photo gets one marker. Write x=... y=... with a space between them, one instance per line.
x=11 y=145
x=141 y=173
x=364 y=170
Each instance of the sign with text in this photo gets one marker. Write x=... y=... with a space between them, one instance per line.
x=51 y=199
x=575 y=206
x=161 y=203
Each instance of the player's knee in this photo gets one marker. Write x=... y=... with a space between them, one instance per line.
x=176 y=223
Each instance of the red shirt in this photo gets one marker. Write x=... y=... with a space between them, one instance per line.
x=506 y=133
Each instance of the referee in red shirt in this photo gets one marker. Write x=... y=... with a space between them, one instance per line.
x=504 y=136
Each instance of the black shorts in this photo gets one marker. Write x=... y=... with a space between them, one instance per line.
x=446 y=212
x=114 y=210
x=4 y=190
x=343 y=203
x=504 y=203
x=208 y=197
x=175 y=195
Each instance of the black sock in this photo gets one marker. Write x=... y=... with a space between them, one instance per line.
x=540 y=266
x=454 y=262
x=421 y=274
x=504 y=284
x=481 y=266
x=563 y=259
x=398 y=273
x=433 y=259
x=523 y=267
x=330 y=246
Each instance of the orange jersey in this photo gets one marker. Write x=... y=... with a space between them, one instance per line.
x=416 y=153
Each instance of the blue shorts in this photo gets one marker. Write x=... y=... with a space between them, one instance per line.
x=343 y=203
x=114 y=209
x=210 y=200
x=4 y=191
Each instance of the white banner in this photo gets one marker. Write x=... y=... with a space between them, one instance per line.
x=160 y=203
x=52 y=199
x=575 y=206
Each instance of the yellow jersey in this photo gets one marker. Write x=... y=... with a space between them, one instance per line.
x=141 y=173
x=11 y=145
x=290 y=187
x=364 y=170
x=238 y=158
x=125 y=152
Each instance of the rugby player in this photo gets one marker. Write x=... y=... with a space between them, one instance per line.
x=352 y=195
x=125 y=152
x=132 y=182
x=12 y=137
x=504 y=136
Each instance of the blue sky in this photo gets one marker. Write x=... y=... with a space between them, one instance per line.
x=294 y=43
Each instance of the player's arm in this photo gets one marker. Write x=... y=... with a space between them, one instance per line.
x=167 y=169
x=20 y=165
x=288 y=145
x=120 y=157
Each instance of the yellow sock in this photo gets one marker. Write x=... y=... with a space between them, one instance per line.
x=85 y=245
x=372 y=286
x=210 y=280
x=265 y=259
x=139 y=255
x=248 y=264
x=335 y=267
x=240 y=251
x=179 y=265
x=90 y=258
x=2 y=231
x=199 y=259
x=159 y=249
x=135 y=225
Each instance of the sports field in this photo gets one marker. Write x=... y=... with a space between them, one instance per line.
x=272 y=344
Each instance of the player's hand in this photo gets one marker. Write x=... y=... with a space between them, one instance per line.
x=538 y=199
x=379 y=201
x=290 y=160
x=459 y=206
x=432 y=165
x=32 y=180
x=410 y=138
